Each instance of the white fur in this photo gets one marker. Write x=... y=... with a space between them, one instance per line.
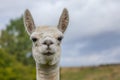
x=46 y=48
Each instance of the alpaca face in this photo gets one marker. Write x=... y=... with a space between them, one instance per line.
x=46 y=45
x=46 y=40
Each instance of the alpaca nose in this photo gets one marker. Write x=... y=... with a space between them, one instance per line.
x=48 y=42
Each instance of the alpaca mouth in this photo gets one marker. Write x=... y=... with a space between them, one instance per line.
x=48 y=53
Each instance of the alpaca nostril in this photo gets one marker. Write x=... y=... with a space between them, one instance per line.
x=34 y=39
x=48 y=42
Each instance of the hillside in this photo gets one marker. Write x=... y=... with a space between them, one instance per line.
x=105 y=72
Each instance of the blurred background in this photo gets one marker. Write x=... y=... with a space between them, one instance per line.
x=90 y=48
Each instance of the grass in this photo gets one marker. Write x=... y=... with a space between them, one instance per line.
x=104 y=72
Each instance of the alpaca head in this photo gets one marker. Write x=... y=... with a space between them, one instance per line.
x=46 y=40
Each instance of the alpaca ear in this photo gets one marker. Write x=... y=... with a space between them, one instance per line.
x=28 y=22
x=64 y=20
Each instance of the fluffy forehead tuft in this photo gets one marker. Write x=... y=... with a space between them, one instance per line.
x=49 y=30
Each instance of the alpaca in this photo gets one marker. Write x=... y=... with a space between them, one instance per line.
x=46 y=48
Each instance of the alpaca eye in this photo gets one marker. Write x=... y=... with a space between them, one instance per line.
x=34 y=39
x=60 y=38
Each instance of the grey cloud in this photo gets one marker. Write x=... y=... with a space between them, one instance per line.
x=96 y=58
x=98 y=17
x=103 y=41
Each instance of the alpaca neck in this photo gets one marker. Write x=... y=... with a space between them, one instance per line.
x=47 y=72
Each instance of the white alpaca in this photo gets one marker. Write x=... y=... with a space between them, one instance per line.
x=46 y=48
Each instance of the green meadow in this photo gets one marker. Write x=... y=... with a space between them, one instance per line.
x=106 y=72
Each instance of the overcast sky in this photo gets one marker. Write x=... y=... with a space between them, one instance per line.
x=93 y=34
